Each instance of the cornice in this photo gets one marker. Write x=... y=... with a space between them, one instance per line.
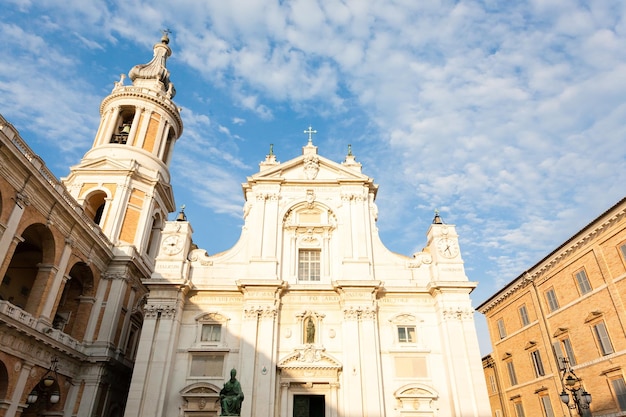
x=566 y=250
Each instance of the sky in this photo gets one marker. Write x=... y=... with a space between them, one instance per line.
x=509 y=117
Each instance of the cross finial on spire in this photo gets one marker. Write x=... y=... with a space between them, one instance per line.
x=165 y=38
x=310 y=131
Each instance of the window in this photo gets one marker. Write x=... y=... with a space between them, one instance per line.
x=583 y=282
x=523 y=315
x=211 y=333
x=569 y=351
x=511 y=369
x=406 y=334
x=547 y=406
x=623 y=250
x=602 y=336
x=519 y=409
x=309 y=265
x=498 y=413
x=492 y=382
x=619 y=389
x=553 y=303
x=537 y=364
x=208 y=365
x=501 y=329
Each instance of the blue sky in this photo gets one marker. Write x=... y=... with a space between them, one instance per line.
x=507 y=116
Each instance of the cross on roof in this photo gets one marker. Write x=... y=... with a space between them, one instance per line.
x=310 y=132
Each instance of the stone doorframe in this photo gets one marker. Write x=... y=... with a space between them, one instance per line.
x=309 y=371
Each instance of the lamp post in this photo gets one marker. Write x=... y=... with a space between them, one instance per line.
x=572 y=387
x=45 y=388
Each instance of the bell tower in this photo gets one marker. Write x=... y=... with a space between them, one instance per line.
x=123 y=181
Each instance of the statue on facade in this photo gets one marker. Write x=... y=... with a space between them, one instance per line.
x=231 y=396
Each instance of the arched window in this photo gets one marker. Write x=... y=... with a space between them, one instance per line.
x=155 y=236
x=94 y=206
x=122 y=129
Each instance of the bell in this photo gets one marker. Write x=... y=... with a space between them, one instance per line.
x=125 y=129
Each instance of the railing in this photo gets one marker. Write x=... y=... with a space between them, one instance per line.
x=8 y=310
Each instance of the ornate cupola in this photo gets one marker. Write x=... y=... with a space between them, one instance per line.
x=123 y=181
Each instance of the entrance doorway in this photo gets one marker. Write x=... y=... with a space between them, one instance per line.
x=308 y=406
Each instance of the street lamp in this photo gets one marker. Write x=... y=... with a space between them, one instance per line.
x=45 y=387
x=572 y=387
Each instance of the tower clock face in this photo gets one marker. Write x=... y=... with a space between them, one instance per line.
x=448 y=247
x=172 y=245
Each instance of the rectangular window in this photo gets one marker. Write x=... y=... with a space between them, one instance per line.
x=511 y=369
x=547 y=406
x=523 y=315
x=492 y=382
x=559 y=355
x=583 y=282
x=207 y=365
x=602 y=336
x=537 y=364
x=519 y=409
x=406 y=334
x=309 y=265
x=619 y=388
x=501 y=329
x=553 y=303
x=569 y=351
x=623 y=250
x=211 y=333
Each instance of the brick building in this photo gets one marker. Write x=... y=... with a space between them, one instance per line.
x=566 y=313
x=74 y=253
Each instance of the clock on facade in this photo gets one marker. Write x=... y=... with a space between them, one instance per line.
x=172 y=245
x=448 y=247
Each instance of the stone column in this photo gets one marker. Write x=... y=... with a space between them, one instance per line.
x=265 y=372
x=15 y=408
x=21 y=201
x=352 y=395
x=134 y=126
x=284 y=399
x=58 y=283
x=96 y=311
x=142 y=363
x=371 y=373
x=249 y=330
x=150 y=380
x=113 y=307
x=111 y=125
x=334 y=399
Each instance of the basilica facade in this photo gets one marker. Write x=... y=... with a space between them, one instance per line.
x=315 y=315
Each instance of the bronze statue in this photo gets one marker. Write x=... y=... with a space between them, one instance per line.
x=231 y=396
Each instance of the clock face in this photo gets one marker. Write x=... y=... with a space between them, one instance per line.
x=172 y=245
x=448 y=247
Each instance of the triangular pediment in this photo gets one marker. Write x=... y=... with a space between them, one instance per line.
x=105 y=164
x=313 y=168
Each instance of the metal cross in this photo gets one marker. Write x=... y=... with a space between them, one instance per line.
x=310 y=132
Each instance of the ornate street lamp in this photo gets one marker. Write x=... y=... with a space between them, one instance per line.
x=572 y=387
x=45 y=387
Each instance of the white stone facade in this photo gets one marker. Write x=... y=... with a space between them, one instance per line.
x=314 y=313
